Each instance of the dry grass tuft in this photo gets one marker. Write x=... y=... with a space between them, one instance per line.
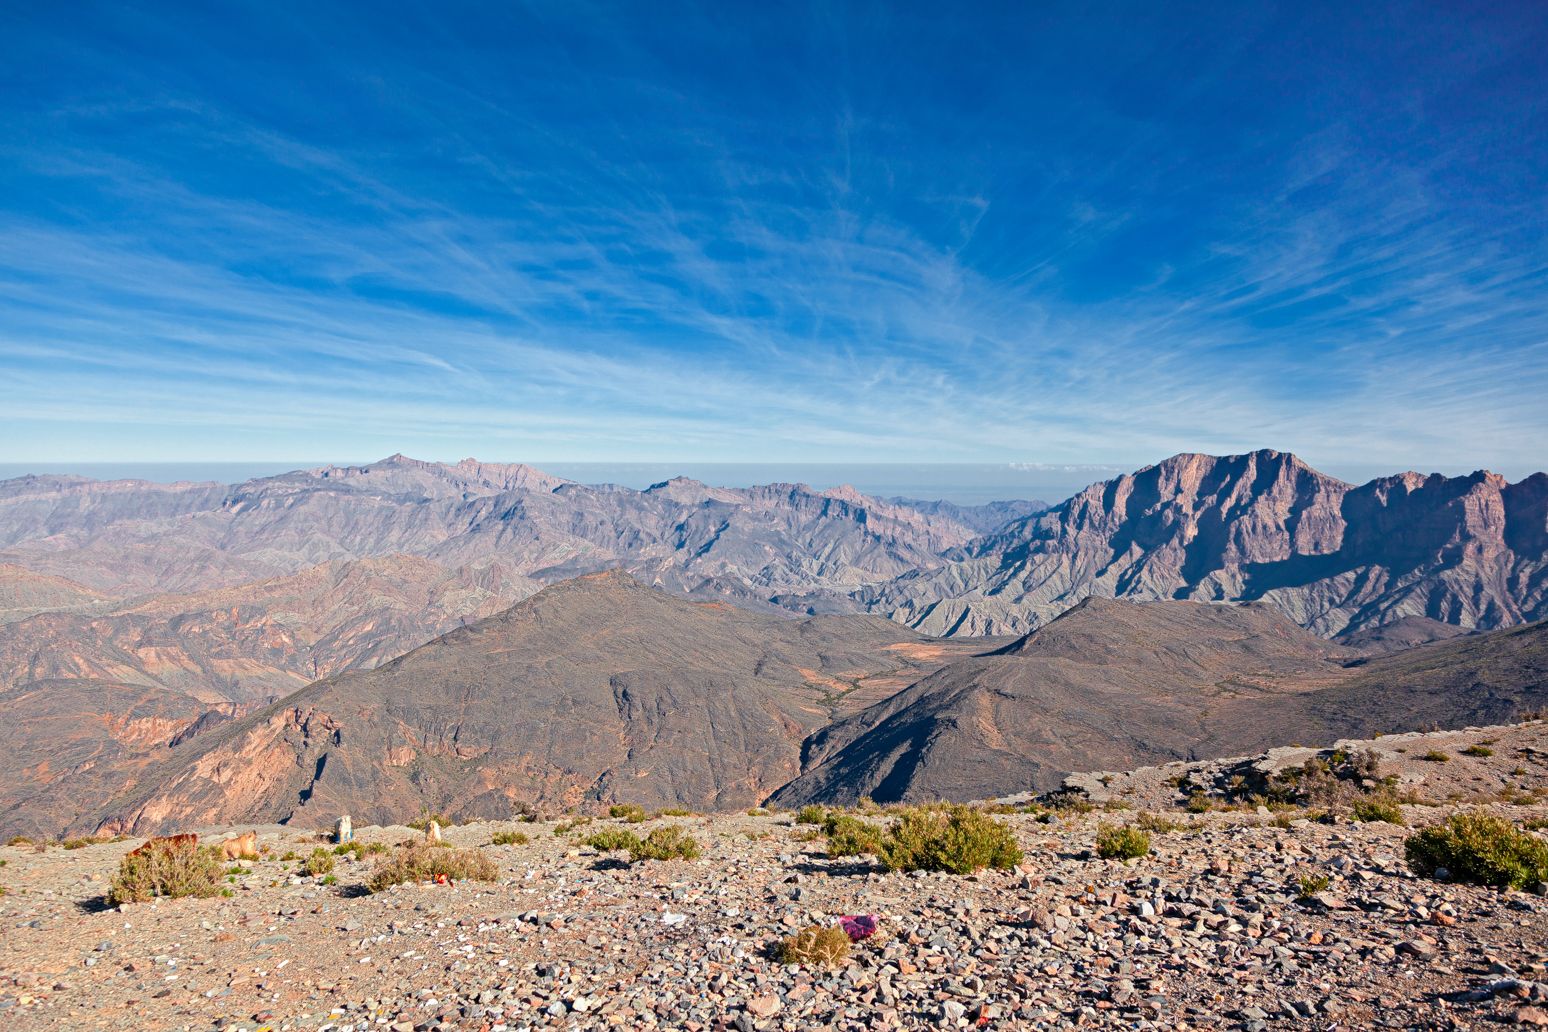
x=170 y=869
x=418 y=862
x=815 y=946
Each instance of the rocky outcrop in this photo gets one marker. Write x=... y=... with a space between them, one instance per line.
x=1468 y=551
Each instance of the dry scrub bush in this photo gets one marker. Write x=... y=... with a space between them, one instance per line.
x=170 y=869
x=1115 y=843
x=633 y=813
x=815 y=946
x=661 y=844
x=1480 y=849
x=1377 y=809
x=418 y=862
x=956 y=839
x=509 y=838
x=850 y=836
x=359 y=850
x=319 y=863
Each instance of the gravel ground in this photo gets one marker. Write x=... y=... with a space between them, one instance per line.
x=1206 y=932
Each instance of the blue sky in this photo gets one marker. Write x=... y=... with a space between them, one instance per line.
x=1083 y=233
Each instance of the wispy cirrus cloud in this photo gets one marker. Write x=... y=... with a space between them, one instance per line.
x=578 y=238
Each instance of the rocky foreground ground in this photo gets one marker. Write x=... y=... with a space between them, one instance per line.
x=1214 y=929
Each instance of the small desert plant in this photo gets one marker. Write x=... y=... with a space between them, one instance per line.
x=758 y=811
x=422 y=822
x=319 y=863
x=957 y=839
x=666 y=844
x=1121 y=843
x=172 y=868
x=815 y=945
x=418 y=862
x=1308 y=885
x=77 y=843
x=1377 y=808
x=1478 y=750
x=1198 y=802
x=1436 y=756
x=811 y=814
x=1153 y=823
x=571 y=825
x=850 y=836
x=18 y=840
x=632 y=813
x=675 y=811
x=1069 y=802
x=611 y=840
x=509 y=838
x=1480 y=849
x=661 y=844
x=359 y=850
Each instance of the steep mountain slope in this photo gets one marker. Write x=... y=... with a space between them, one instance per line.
x=23 y=593
x=66 y=747
x=254 y=642
x=1470 y=551
x=596 y=688
x=1112 y=684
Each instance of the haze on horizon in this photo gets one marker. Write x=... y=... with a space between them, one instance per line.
x=849 y=233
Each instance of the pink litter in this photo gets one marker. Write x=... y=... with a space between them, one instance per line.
x=858 y=926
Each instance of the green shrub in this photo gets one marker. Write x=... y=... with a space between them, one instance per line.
x=666 y=844
x=1069 y=802
x=957 y=839
x=611 y=840
x=320 y=862
x=1377 y=808
x=509 y=838
x=1480 y=849
x=1198 y=802
x=633 y=813
x=811 y=814
x=1309 y=885
x=418 y=862
x=675 y=811
x=359 y=850
x=77 y=843
x=815 y=946
x=1120 y=843
x=571 y=825
x=661 y=844
x=1152 y=822
x=1436 y=756
x=167 y=868
x=1478 y=750
x=422 y=822
x=850 y=836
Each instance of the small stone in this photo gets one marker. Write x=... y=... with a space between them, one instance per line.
x=764 y=1006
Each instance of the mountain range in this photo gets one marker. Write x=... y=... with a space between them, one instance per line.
x=1336 y=558
x=248 y=592
x=600 y=690
x=476 y=637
